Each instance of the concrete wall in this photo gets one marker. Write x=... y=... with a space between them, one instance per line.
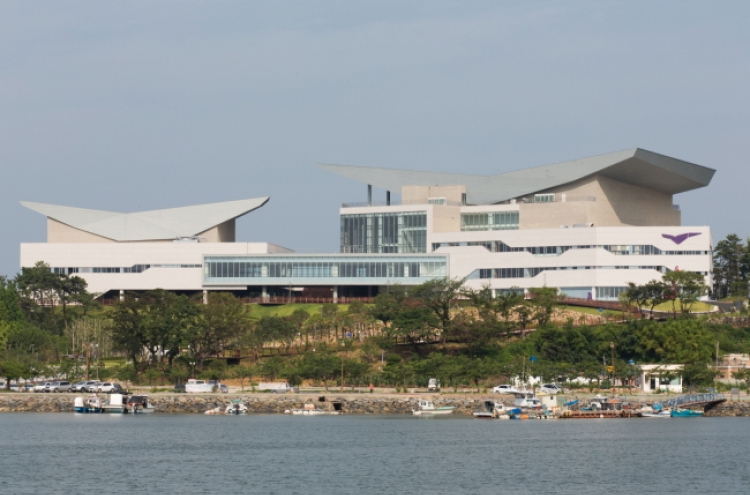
x=615 y=204
x=224 y=232
x=420 y=194
x=58 y=232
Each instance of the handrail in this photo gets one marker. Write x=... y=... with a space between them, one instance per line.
x=692 y=399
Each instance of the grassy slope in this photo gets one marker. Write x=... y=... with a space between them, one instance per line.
x=258 y=311
x=587 y=310
x=698 y=307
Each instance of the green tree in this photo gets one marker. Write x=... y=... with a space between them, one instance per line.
x=544 y=300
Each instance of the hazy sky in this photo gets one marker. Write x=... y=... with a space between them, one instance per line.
x=130 y=106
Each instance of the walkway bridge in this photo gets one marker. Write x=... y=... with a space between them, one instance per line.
x=694 y=401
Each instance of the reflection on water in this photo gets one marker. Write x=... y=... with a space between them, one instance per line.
x=67 y=453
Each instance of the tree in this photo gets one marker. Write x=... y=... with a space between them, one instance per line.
x=544 y=300
x=221 y=322
x=730 y=267
x=687 y=288
x=437 y=295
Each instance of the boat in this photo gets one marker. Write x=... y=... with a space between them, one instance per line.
x=236 y=407
x=139 y=404
x=114 y=405
x=666 y=413
x=215 y=410
x=311 y=410
x=686 y=413
x=428 y=408
x=493 y=410
x=88 y=405
x=527 y=400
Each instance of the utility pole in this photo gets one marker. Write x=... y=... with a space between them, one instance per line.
x=612 y=348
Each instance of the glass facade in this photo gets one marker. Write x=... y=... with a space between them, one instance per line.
x=620 y=250
x=609 y=292
x=329 y=269
x=398 y=232
x=533 y=272
x=498 y=220
x=115 y=269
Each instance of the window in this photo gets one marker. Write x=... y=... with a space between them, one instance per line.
x=544 y=198
x=402 y=232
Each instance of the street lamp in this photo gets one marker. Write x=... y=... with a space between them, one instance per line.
x=343 y=346
x=192 y=365
x=612 y=349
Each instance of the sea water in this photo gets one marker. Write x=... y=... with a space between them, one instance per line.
x=161 y=453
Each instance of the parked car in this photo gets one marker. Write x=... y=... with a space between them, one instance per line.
x=433 y=385
x=220 y=387
x=58 y=386
x=505 y=389
x=551 y=389
x=179 y=388
x=90 y=386
x=41 y=386
x=76 y=387
x=109 y=388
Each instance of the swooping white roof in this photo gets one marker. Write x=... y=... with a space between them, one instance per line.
x=171 y=223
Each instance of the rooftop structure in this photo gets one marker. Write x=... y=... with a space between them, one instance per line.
x=213 y=222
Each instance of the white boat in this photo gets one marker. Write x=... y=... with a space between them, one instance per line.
x=139 y=404
x=656 y=414
x=492 y=410
x=311 y=410
x=427 y=408
x=89 y=405
x=236 y=407
x=527 y=400
x=114 y=405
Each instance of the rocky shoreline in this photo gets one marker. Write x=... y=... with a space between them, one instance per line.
x=277 y=404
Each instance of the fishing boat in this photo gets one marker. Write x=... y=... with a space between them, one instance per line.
x=666 y=413
x=139 y=404
x=88 y=405
x=311 y=410
x=236 y=407
x=493 y=410
x=114 y=405
x=686 y=413
x=428 y=408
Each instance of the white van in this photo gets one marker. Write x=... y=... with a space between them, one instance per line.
x=204 y=386
x=275 y=387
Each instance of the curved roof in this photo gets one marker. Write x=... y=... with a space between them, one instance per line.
x=171 y=223
x=636 y=166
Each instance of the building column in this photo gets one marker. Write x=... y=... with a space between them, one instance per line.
x=335 y=294
x=205 y=296
x=122 y=295
x=264 y=294
x=369 y=194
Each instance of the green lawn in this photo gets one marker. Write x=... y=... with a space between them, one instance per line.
x=587 y=310
x=698 y=307
x=258 y=311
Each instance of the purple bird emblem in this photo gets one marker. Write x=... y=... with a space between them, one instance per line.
x=678 y=239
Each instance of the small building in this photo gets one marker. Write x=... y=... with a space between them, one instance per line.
x=730 y=364
x=655 y=378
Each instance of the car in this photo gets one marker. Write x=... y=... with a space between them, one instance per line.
x=109 y=388
x=58 y=386
x=551 y=389
x=179 y=388
x=505 y=389
x=89 y=386
x=220 y=387
x=41 y=387
x=76 y=387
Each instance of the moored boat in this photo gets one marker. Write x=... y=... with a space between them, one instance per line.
x=428 y=408
x=88 y=405
x=139 y=404
x=686 y=413
x=236 y=407
x=114 y=405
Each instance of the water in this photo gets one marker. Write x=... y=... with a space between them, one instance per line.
x=67 y=453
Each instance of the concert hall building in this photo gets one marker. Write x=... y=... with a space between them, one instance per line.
x=587 y=227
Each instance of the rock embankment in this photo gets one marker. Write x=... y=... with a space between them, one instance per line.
x=276 y=404
x=256 y=403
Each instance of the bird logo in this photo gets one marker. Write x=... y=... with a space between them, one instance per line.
x=679 y=239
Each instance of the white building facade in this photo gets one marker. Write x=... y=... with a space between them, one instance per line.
x=587 y=227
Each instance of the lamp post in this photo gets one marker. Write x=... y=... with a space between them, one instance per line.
x=612 y=349
x=343 y=345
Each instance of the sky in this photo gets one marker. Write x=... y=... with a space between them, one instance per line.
x=132 y=106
